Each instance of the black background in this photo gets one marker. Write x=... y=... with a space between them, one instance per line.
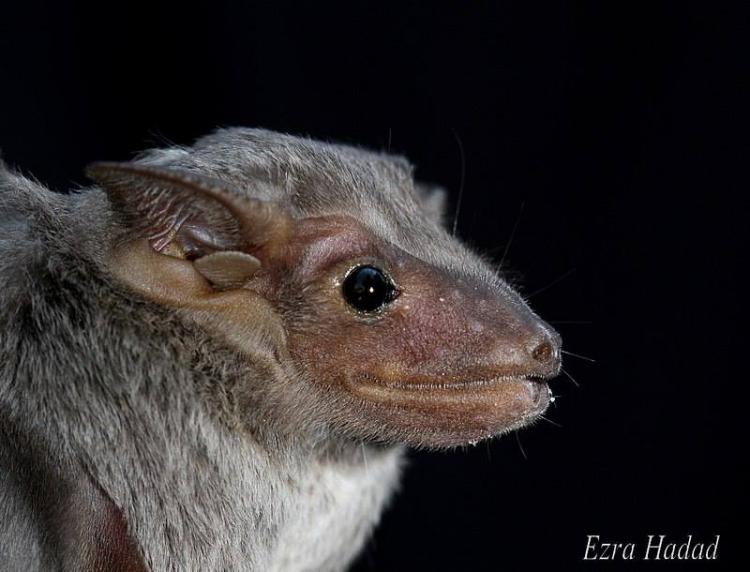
x=607 y=134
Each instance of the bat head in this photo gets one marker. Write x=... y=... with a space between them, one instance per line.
x=333 y=264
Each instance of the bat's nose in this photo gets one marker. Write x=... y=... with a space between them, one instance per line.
x=544 y=350
x=527 y=349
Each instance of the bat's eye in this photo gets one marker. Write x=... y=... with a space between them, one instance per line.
x=367 y=289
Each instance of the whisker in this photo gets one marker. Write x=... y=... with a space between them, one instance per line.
x=579 y=356
x=551 y=284
x=570 y=322
x=570 y=377
x=364 y=458
x=555 y=423
x=518 y=440
x=462 y=180
x=158 y=138
x=512 y=234
x=390 y=137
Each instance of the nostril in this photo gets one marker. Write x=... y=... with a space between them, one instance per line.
x=543 y=352
x=546 y=353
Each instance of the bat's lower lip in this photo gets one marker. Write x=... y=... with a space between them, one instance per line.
x=540 y=391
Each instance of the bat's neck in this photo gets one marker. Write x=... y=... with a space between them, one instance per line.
x=216 y=500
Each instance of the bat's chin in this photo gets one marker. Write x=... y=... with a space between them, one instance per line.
x=440 y=415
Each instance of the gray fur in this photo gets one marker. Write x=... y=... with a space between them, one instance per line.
x=97 y=383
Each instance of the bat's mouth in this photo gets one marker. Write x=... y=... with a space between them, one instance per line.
x=460 y=411
x=451 y=391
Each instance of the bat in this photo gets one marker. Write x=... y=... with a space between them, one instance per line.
x=215 y=356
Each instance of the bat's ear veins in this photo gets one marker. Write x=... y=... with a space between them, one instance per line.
x=191 y=216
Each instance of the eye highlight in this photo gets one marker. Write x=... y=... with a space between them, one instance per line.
x=367 y=289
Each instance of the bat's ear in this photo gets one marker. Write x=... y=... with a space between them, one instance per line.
x=433 y=200
x=225 y=237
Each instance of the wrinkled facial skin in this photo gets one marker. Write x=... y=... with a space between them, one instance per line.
x=449 y=361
